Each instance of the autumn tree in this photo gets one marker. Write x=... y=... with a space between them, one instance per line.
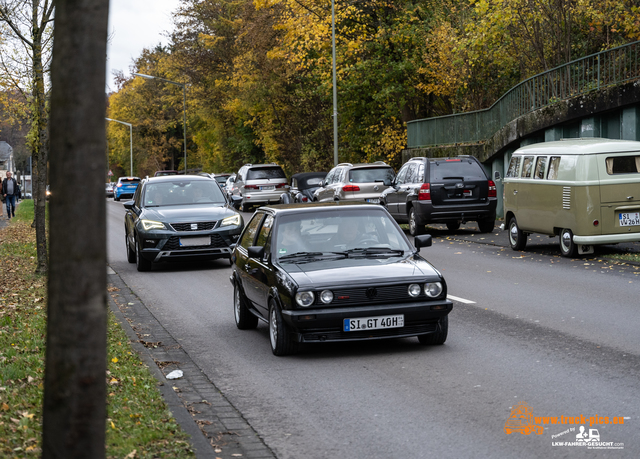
x=24 y=61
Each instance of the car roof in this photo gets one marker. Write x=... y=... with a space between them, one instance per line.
x=319 y=207
x=180 y=178
x=305 y=175
x=365 y=165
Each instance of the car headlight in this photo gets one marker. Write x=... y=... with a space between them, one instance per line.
x=414 y=290
x=151 y=224
x=234 y=220
x=433 y=289
x=305 y=299
x=326 y=296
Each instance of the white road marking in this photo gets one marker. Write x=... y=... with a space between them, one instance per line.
x=460 y=300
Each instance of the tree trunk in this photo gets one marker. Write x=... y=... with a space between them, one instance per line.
x=74 y=408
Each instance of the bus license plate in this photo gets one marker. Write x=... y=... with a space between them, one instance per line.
x=373 y=323
x=629 y=218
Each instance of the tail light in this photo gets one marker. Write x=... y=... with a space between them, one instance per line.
x=351 y=188
x=492 y=189
x=281 y=185
x=425 y=192
x=251 y=187
x=119 y=185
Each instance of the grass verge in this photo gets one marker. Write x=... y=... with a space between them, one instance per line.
x=139 y=424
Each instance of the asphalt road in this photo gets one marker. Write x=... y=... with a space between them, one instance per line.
x=558 y=334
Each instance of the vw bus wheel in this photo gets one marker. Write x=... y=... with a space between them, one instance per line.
x=453 y=226
x=567 y=247
x=517 y=238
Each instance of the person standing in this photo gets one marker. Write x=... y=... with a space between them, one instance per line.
x=10 y=190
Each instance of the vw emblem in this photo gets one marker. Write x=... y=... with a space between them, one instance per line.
x=372 y=293
x=194 y=226
x=376 y=188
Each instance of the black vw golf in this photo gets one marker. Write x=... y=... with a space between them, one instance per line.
x=335 y=272
x=179 y=218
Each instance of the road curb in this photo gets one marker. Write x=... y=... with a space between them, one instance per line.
x=216 y=427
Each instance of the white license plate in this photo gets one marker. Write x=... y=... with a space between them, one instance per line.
x=373 y=323
x=267 y=188
x=629 y=218
x=194 y=241
x=374 y=201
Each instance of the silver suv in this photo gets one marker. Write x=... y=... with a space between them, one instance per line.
x=355 y=182
x=259 y=184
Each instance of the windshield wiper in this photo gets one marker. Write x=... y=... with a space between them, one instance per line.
x=375 y=251
x=311 y=255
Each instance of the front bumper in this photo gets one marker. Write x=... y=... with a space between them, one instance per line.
x=326 y=324
x=161 y=246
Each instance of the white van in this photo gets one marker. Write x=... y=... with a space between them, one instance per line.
x=586 y=191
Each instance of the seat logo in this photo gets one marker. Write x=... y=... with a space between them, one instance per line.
x=372 y=293
x=194 y=226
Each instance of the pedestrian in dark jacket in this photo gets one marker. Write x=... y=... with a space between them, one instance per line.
x=10 y=191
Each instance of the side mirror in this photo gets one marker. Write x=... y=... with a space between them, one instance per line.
x=322 y=184
x=129 y=205
x=496 y=176
x=256 y=251
x=423 y=240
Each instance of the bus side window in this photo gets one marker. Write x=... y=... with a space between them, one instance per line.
x=514 y=166
x=527 y=165
x=554 y=165
x=541 y=164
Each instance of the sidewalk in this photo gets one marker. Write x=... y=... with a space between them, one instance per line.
x=216 y=428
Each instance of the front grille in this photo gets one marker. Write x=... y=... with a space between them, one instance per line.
x=217 y=242
x=371 y=295
x=200 y=226
x=369 y=334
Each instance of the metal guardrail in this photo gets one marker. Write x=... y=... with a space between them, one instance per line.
x=594 y=72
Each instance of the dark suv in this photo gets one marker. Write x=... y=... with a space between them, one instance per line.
x=442 y=190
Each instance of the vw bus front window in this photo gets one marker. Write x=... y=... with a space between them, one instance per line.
x=514 y=166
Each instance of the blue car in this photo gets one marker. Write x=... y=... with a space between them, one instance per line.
x=126 y=187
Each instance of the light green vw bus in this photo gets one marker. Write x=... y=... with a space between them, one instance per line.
x=586 y=191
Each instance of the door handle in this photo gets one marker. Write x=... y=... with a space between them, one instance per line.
x=515 y=192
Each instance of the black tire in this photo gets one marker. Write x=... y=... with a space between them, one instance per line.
x=486 y=226
x=131 y=254
x=279 y=336
x=142 y=264
x=453 y=226
x=115 y=198
x=567 y=247
x=439 y=337
x=244 y=319
x=517 y=238
x=414 y=228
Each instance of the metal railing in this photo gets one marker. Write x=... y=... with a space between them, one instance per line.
x=594 y=72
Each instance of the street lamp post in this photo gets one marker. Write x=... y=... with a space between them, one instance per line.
x=335 y=88
x=130 y=139
x=184 y=109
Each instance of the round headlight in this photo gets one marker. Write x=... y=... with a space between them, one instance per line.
x=414 y=290
x=305 y=299
x=326 y=296
x=433 y=289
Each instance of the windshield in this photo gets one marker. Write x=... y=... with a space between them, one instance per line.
x=181 y=192
x=339 y=232
x=371 y=174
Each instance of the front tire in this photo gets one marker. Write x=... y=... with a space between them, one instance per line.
x=567 y=246
x=244 y=319
x=453 y=226
x=131 y=254
x=414 y=228
x=439 y=337
x=517 y=238
x=279 y=336
x=142 y=264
